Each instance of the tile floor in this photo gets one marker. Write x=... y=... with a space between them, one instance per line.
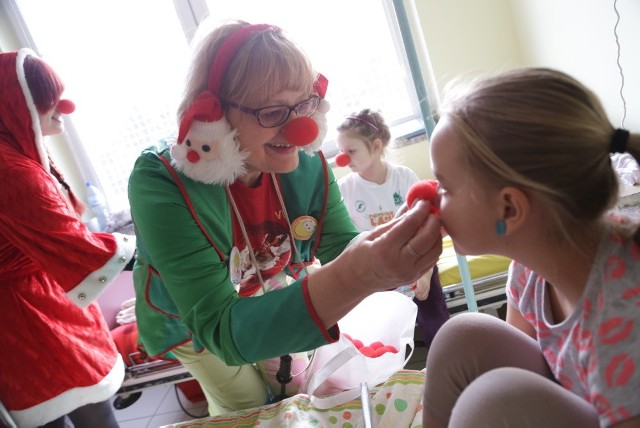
x=159 y=406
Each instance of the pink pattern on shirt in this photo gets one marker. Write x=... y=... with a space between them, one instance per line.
x=619 y=370
x=616 y=267
x=614 y=330
x=595 y=351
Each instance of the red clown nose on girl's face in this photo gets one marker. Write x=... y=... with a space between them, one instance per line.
x=66 y=106
x=424 y=189
x=301 y=131
x=343 y=159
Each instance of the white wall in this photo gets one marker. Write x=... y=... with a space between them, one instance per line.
x=461 y=36
x=577 y=37
x=468 y=37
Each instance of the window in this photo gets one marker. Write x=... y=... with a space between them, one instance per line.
x=351 y=42
x=123 y=63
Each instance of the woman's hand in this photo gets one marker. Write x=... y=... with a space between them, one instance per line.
x=398 y=252
x=403 y=209
x=393 y=254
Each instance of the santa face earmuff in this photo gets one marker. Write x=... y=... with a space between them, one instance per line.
x=207 y=150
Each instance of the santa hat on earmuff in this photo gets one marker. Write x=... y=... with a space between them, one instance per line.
x=206 y=149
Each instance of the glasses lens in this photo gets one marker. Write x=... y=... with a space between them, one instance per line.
x=308 y=107
x=273 y=116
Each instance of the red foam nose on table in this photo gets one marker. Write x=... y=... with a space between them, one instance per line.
x=374 y=350
x=301 y=131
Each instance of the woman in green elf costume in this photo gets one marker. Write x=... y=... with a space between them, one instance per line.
x=231 y=213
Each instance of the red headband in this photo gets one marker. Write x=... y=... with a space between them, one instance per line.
x=226 y=53
x=206 y=107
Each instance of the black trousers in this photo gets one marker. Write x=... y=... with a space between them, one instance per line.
x=95 y=415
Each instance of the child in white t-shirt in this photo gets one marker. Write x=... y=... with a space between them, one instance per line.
x=373 y=193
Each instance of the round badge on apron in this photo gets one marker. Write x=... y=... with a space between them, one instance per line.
x=304 y=227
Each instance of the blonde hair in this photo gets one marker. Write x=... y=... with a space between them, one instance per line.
x=267 y=63
x=368 y=125
x=543 y=131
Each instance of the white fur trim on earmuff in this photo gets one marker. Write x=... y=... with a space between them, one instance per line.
x=320 y=116
x=222 y=163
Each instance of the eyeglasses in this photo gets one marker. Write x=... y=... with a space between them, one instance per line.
x=272 y=116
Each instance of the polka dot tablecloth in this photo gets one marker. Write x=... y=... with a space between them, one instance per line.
x=396 y=403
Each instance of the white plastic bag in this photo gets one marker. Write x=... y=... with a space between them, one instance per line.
x=337 y=370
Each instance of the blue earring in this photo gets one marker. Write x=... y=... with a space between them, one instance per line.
x=501 y=227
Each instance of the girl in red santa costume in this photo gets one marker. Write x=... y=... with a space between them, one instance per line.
x=58 y=356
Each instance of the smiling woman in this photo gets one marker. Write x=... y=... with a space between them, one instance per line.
x=223 y=256
x=125 y=69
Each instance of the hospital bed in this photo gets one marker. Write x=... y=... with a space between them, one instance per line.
x=472 y=283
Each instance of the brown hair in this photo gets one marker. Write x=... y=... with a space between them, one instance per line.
x=44 y=84
x=369 y=125
x=543 y=131
x=267 y=63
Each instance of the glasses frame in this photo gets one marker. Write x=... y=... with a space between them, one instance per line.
x=256 y=111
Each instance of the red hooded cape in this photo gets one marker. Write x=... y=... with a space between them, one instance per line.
x=57 y=353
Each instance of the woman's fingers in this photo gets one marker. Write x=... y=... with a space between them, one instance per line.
x=405 y=248
x=403 y=209
x=427 y=242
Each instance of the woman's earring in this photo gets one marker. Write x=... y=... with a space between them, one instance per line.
x=501 y=227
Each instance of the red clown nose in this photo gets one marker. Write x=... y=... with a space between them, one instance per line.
x=343 y=159
x=424 y=189
x=66 y=106
x=300 y=131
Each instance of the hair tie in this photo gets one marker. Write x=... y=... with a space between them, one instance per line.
x=619 y=141
x=359 y=119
